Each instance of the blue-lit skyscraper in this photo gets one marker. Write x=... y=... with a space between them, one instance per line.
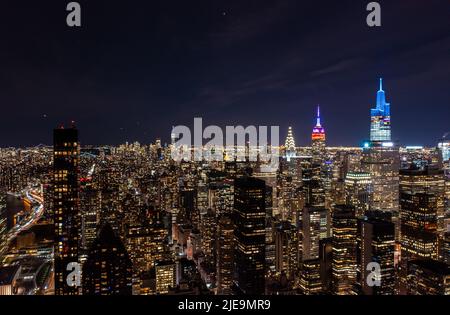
x=380 y=126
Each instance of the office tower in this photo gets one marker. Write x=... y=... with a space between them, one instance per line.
x=108 y=268
x=421 y=212
x=208 y=236
x=286 y=249
x=382 y=162
x=380 y=123
x=314 y=192
x=165 y=276
x=358 y=191
x=428 y=277
x=314 y=226
x=90 y=201
x=318 y=141
x=290 y=144
x=249 y=219
x=344 y=249
x=220 y=197
x=381 y=159
x=225 y=254
x=376 y=243
x=66 y=205
x=146 y=244
x=310 y=281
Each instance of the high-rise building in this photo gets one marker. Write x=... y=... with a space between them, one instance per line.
x=428 y=277
x=310 y=282
x=146 y=244
x=318 y=140
x=249 y=219
x=165 y=276
x=422 y=210
x=108 y=268
x=314 y=226
x=380 y=124
x=66 y=204
x=381 y=158
x=358 y=191
x=208 y=229
x=225 y=254
x=344 y=249
x=376 y=243
x=286 y=249
x=290 y=144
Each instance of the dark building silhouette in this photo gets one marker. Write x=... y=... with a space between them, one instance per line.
x=108 y=268
x=376 y=243
x=66 y=202
x=428 y=277
x=249 y=217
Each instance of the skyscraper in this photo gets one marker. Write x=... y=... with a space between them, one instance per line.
x=421 y=212
x=108 y=268
x=318 y=140
x=376 y=242
x=249 y=219
x=66 y=205
x=358 y=191
x=344 y=249
x=314 y=227
x=225 y=248
x=380 y=122
x=381 y=159
x=290 y=144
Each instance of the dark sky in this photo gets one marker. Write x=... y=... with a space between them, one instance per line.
x=135 y=68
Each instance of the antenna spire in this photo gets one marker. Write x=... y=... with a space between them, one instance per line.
x=318 y=116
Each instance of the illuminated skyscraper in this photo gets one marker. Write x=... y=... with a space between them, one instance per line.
x=318 y=140
x=358 y=191
x=225 y=251
x=380 y=123
x=165 y=276
x=314 y=227
x=310 y=282
x=290 y=144
x=286 y=248
x=381 y=159
x=344 y=249
x=421 y=212
x=66 y=205
x=249 y=219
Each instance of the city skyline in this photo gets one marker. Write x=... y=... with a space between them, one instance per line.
x=252 y=151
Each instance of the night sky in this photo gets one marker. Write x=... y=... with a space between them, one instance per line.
x=136 y=68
